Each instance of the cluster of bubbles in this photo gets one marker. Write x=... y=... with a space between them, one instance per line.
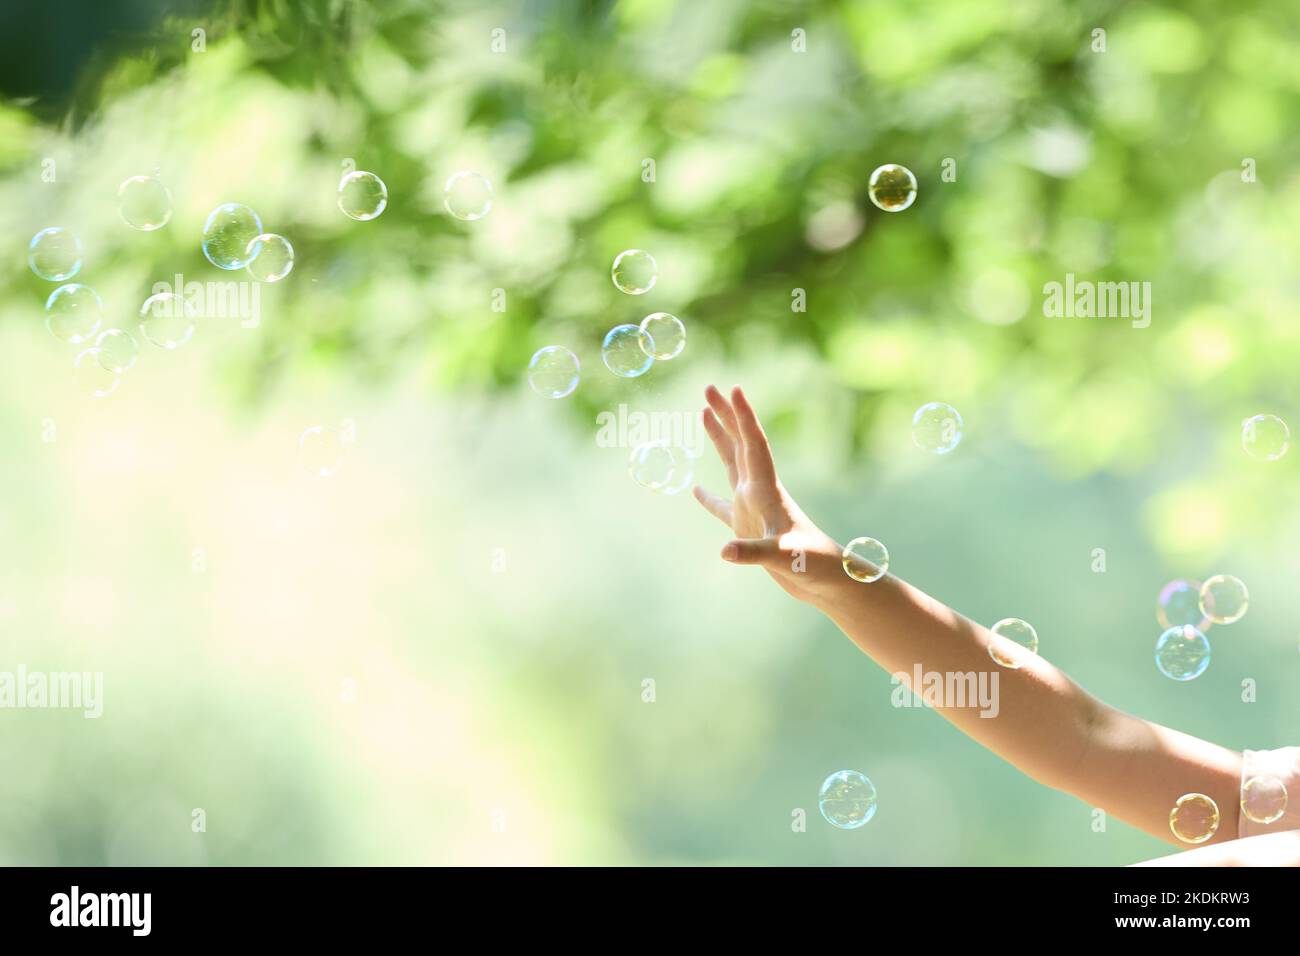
x=1008 y=633
x=662 y=466
x=1186 y=609
x=233 y=238
x=847 y=799
x=865 y=560
x=1194 y=818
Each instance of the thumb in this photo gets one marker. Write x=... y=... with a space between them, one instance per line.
x=751 y=551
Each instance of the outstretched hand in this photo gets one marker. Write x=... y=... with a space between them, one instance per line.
x=769 y=528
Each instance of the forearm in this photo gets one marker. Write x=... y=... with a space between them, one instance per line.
x=1041 y=721
x=1271 y=849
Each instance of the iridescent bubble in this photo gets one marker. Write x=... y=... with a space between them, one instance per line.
x=1194 y=818
x=227 y=235
x=651 y=464
x=892 y=188
x=662 y=466
x=865 y=560
x=1008 y=632
x=1182 y=653
x=270 y=257
x=1224 y=599
x=166 y=320
x=1264 y=799
x=937 y=428
x=117 y=350
x=362 y=196
x=321 y=451
x=54 y=254
x=73 y=313
x=847 y=799
x=144 y=203
x=91 y=375
x=1265 y=437
x=667 y=335
x=628 y=351
x=467 y=196
x=553 y=372
x=1180 y=603
x=635 y=271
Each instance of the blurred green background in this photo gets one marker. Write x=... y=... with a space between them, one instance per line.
x=437 y=654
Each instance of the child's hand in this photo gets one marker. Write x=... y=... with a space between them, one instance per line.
x=769 y=527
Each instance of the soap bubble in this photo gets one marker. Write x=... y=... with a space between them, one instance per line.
x=635 y=271
x=92 y=377
x=553 y=372
x=362 y=196
x=661 y=466
x=628 y=351
x=227 y=235
x=166 y=320
x=892 y=188
x=467 y=196
x=321 y=450
x=937 y=428
x=1180 y=603
x=1265 y=437
x=865 y=560
x=667 y=335
x=117 y=350
x=1263 y=799
x=1224 y=599
x=1015 y=631
x=1194 y=818
x=847 y=799
x=1182 y=653
x=270 y=257
x=144 y=203
x=54 y=254
x=73 y=313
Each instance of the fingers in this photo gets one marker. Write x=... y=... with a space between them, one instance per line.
x=758 y=454
x=720 y=508
x=723 y=443
x=765 y=551
x=726 y=415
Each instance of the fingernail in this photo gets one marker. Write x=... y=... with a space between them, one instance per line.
x=730 y=552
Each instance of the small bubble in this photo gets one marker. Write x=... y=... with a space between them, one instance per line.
x=1179 y=603
x=892 y=188
x=1265 y=437
x=865 y=560
x=362 y=196
x=634 y=272
x=1182 y=653
x=227 y=234
x=1194 y=818
x=270 y=257
x=165 y=320
x=628 y=351
x=847 y=799
x=467 y=196
x=144 y=203
x=1224 y=599
x=1264 y=799
x=553 y=372
x=92 y=377
x=937 y=428
x=662 y=466
x=73 y=313
x=54 y=254
x=1009 y=632
x=117 y=350
x=667 y=335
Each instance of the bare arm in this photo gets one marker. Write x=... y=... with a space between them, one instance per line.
x=1046 y=724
